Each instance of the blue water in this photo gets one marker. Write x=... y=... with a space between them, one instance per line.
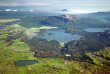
x=26 y=62
x=60 y=36
x=96 y=29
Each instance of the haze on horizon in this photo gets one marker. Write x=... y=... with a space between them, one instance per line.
x=73 y=6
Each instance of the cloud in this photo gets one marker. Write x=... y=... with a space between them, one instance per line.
x=24 y=4
x=57 y=3
x=37 y=4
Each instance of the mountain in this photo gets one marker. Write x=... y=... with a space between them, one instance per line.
x=64 y=10
x=60 y=20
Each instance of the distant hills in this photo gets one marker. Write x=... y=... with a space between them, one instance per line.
x=102 y=13
x=24 y=11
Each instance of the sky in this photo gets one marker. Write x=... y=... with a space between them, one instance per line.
x=73 y=6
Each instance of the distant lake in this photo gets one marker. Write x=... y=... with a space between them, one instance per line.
x=96 y=29
x=26 y=62
x=60 y=36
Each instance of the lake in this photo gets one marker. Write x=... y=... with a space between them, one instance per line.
x=26 y=62
x=96 y=29
x=60 y=36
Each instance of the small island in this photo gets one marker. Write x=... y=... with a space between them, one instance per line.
x=51 y=34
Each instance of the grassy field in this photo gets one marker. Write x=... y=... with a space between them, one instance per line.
x=7 y=20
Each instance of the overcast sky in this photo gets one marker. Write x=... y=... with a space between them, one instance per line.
x=71 y=5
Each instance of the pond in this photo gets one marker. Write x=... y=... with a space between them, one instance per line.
x=96 y=29
x=26 y=62
x=60 y=36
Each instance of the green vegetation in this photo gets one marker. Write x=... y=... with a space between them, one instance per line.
x=8 y=20
x=43 y=48
x=95 y=60
x=27 y=31
x=105 y=52
x=13 y=50
x=89 y=55
x=30 y=22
